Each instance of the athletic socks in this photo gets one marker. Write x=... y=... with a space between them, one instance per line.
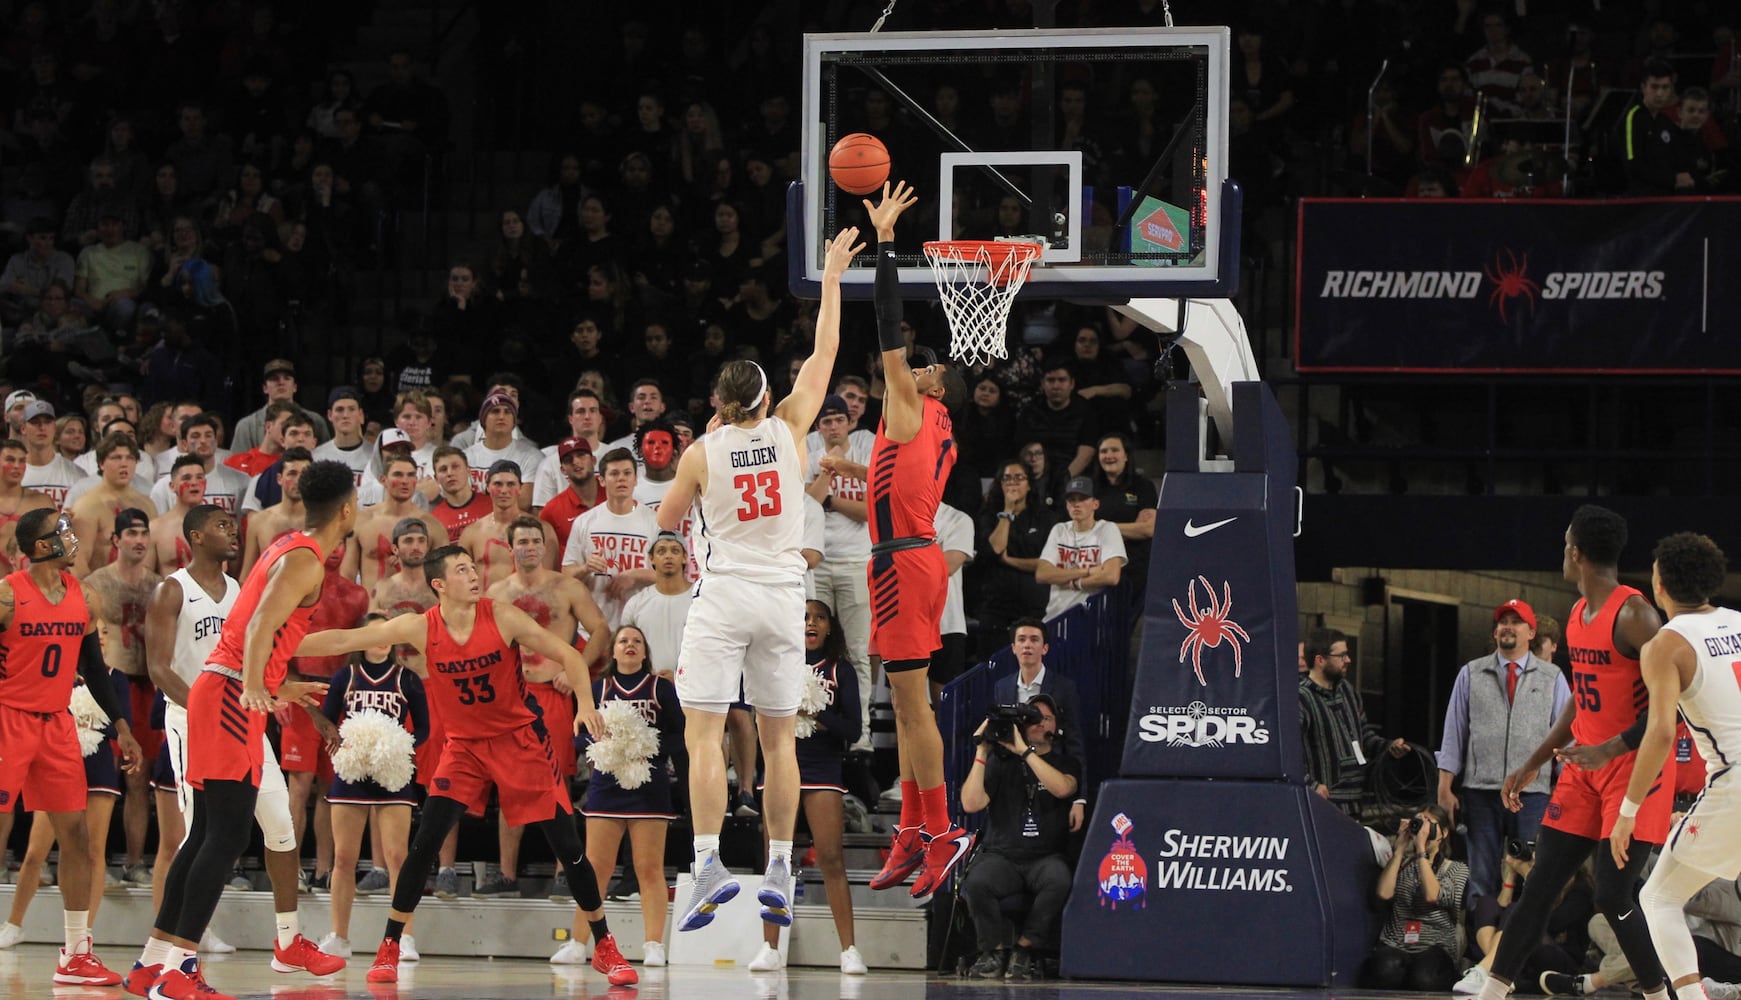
x=156 y=952
x=1587 y=983
x=288 y=928
x=181 y=958
x=1493 y=989
x=601 y=929
x=1694 y=990
x=780 y=850
x=1661 y=992
x=705 y=844
x=936 y=809
x=395 y=929
x=912 y=809
x=78 y=927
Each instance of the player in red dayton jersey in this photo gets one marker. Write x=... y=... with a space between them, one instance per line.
x=245 y=677
x=910 y=461
x=47 y=643
x=1605 y=633
x=471 y=647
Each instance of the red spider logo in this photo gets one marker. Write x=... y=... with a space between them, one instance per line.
x=1209 y=628
x=1510 y=280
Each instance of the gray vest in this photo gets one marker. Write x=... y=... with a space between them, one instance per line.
x=1503 y=734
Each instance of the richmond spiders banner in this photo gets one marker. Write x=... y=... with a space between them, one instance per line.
x=1433 y=285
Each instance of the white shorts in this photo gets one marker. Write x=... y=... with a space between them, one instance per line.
x=747 y=636
x=1708 y=837
x=271 y=777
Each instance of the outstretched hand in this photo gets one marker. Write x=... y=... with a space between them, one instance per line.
x=839 y=252
x=897 y=198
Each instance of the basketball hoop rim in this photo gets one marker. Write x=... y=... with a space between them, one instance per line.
x=999 y=254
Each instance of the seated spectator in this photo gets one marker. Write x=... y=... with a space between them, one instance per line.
x=31 y=271
x=1431 y=182
x=110 y=275
x=246 y=198
x=1061 y=420
x=1011 y=537
x=1714 y=165
x=1128 y=500
x=1442 y=131
x=1023 y=783
x=202 y=161
x=1340 y=744
x=1659 y=157
x=1100 y=379
x=1083 y=556
x=1423 y=890
x=79 y=228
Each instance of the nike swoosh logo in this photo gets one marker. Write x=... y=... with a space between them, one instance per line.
x=1623 y=916
x=1193 y=530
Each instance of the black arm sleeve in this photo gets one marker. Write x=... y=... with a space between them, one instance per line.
x=96 y=675
x=888 y=301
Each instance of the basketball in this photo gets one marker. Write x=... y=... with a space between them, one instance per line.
x=859 y=163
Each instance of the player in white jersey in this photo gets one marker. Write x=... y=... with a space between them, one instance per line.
x=1690 y=664
x=747 y=619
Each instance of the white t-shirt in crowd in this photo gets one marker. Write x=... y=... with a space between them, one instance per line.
x=1068 y=548
x=623 y=539
x=845 y=540
x=954 y=534
x=661 y=618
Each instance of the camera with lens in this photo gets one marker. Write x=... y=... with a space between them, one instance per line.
x=1522 y=850
x=1002 y=721
x=1414 y=824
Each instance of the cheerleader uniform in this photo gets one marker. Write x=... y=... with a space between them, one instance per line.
x=656 y=699
x=838 y=726
x=162 y=770
x=387 y=688
x=102 y=777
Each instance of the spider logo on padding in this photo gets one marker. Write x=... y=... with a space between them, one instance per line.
x=1209 y=627
x=1511 y=279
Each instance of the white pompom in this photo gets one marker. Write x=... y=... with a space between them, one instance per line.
x=626 y=750
x=813 y=700
x=374 y=746
x=89 y=718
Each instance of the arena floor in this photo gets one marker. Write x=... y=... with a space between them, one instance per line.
x=25 y=974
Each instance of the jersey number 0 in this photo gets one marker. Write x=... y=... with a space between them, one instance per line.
x=760 y=494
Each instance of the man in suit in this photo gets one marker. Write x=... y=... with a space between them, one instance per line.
x=1028 y=643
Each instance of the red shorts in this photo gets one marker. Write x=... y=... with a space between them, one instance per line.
x=1586 y=803
x=225 y=742
x=907 y=591
x=144 y=695
x=41 y=760
x=519 y=764
x=559 y=723
x=300 y=747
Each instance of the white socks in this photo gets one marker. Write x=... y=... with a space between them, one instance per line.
x=1694 y=990
x=181 y=958
x=1493 y=989
x=780 y=850
x=705 y=845
x=78 y=928
x=288 y=928
x=156 y=952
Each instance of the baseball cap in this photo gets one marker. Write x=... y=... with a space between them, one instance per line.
x=131 y=517
x=409 y=526
x=343 y=392
x=19 y=396
x=38 y=408
x=569 y=446
x=279 y=366
x=1080 y=486
x=392 y=436
x=1518 y=608
x=832 y=404
x=496 y=399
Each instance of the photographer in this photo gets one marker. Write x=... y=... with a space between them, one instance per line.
x=1417 y=947
x=1026 y=782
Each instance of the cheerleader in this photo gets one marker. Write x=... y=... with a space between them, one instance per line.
x=644 y=812
x=820 y=758
x=102 y=789
x=377 y=682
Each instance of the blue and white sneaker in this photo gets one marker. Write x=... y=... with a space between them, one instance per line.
x=714 y=886
x=776 y=893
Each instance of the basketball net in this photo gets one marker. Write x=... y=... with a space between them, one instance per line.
x=978 y=281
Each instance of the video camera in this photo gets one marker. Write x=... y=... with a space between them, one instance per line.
x=1522 y=850
x=1002 y=720
x=1413 y=826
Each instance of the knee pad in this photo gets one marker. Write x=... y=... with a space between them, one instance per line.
x=272 y=812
